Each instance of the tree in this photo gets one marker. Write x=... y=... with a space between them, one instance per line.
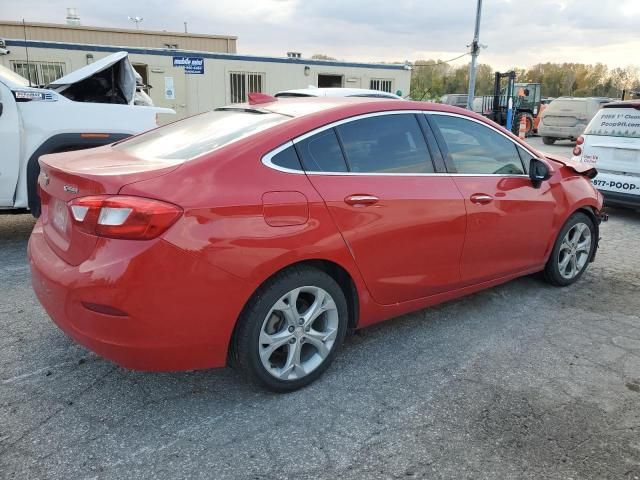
x=431 y=79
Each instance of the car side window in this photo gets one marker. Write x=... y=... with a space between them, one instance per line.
x=525 y=157
x=476 y=149
x=385 y=144
x=322 y=153
x=287 y=158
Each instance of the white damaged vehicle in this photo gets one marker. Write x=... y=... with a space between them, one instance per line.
x=89 y=107
x=611 y=143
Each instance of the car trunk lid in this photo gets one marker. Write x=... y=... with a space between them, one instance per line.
x=70 y=175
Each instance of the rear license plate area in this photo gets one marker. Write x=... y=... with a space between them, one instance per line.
x=60 y=216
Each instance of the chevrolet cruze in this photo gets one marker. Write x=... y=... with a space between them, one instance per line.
x=256 y=235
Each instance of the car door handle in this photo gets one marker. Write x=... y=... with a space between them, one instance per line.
x=481 y=198
x=361 y=200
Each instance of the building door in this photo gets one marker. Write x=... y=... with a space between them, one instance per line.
x=330 y=81
x=168 y=90
x=143 y=71
x=10 y=141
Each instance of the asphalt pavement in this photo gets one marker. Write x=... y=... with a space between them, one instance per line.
x=521 y=381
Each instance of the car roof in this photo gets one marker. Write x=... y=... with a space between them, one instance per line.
x=336 y=92
x=623 y=103
x=584 y=99
x=344 y=106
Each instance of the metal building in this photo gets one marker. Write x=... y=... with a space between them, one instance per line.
x=188 y=72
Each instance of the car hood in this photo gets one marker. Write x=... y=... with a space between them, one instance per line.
x=11 y=79
x=581 y=168
x=123 y=75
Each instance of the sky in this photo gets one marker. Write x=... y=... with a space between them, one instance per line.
x=517 y=33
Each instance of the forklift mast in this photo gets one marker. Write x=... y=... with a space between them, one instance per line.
x=509 y=91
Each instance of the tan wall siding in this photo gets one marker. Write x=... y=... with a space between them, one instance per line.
x=128 y=38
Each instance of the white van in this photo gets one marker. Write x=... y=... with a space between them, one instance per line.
x=611 y=143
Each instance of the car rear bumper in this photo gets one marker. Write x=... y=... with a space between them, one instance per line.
x=560 y=132
x=168 y=310
x=622 y=199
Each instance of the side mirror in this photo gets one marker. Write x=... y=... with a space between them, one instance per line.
x=538 y=172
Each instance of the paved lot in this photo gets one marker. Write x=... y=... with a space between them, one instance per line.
x=561 y=147
x=520 y=381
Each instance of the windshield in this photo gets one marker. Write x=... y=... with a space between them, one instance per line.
x=12 y=77
x=194 y=136
x=615 y=122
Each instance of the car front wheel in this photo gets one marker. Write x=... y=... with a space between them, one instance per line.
x=290 y=331
x=572 y=251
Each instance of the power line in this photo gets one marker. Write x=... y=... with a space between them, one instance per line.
x=439 y=62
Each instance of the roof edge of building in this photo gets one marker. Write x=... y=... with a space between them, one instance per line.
x=115 y=30
x=204 y=54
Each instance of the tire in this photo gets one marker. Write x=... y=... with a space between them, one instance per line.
x=571 y=255
x=284 y=349
x=548 y=140
x=529 y=119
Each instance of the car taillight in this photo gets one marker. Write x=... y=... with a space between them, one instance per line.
x=580 y=140
x=119 y=216
x=577 y=150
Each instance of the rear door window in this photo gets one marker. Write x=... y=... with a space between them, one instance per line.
x=477 y=149
x=385 y=144
x=322 y=153
x=287 y=158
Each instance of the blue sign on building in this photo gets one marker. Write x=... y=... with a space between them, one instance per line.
x=192 y=65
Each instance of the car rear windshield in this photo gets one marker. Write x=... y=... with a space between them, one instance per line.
x=195 y=136
x=615 y=122
x=567 y=107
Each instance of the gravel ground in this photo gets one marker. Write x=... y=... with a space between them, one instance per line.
x=520 y=381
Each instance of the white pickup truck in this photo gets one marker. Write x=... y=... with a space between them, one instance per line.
x=89 y=107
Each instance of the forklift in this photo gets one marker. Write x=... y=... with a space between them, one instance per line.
x=510 y=104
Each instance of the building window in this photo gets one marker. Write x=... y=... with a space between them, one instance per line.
x=242 y=84
x=39 y=73
x=381 y=84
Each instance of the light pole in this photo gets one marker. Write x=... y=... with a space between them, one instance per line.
x=475 y=50
x=137 y=21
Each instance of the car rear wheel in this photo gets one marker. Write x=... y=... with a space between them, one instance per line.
x=572 y=251
x=548 y=140
x=290 y=331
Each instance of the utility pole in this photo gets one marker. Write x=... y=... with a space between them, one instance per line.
x=475 y=51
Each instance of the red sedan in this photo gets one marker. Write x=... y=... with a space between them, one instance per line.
x=256 y=235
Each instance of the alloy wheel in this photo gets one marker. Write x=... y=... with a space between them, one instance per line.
x=574 y=251
x=298 y=333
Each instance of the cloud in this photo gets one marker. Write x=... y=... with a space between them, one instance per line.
x=517 y=32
